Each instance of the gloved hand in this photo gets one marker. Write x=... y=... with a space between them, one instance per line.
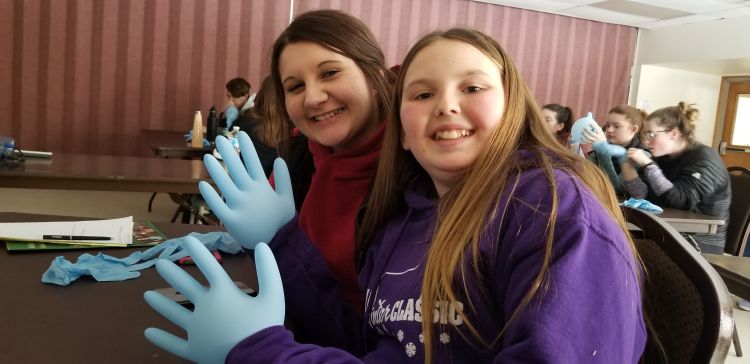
x=223 y=315
x=232 y=113
x=585 y=123
x=253 y=211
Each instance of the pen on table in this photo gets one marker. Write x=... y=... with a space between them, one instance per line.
x=74 y=237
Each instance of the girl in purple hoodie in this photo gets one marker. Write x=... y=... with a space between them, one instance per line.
x=485 y=240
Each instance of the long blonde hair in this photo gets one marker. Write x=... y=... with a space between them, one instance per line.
x=463 y=211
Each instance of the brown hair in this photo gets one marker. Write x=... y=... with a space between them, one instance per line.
x=346 y=35
x=272 y=128
x=463 y=211
x=238 y=87
x=681 y=117
x=632 y=114
x=565 y=117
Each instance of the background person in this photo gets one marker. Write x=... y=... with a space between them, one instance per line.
x=559 y=120
x=240 y=97
x=265 y=126
x=622 y=128
x=683 y=173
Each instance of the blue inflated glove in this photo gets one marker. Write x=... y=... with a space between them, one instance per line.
x=231 y=113
x=253 y=211
x=604 y=149
x=223 y=315
x=585 y=123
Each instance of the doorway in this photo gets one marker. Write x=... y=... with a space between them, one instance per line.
x=734 y=142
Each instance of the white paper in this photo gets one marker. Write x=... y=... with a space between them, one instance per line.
x=120 y=231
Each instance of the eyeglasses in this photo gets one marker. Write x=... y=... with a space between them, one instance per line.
x=652 y=134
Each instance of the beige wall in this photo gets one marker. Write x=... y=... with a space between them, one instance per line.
x=689 y=62
x=660 y=87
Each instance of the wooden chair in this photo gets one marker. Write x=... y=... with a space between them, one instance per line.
x=684 y=300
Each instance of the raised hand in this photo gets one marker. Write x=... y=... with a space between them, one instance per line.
x=585 y=123
x=223 y=315
x=231 y=113
x=253 y=211
x=639 y=156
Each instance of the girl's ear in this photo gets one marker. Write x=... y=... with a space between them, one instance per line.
x=404 y=143
x=559 y=126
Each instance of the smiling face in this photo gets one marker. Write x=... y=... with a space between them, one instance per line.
x=326 y=95
x=619 y=130
x=453 y=98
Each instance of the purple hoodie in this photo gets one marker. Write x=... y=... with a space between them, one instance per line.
x=590 y=311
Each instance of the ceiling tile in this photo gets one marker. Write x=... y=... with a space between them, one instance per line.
x=549 y=6
x=640 y=13
x=677 y=21
x=731 y=13
x=640 y=9
x=580 y=2
x=690 y=6
x=589 y=12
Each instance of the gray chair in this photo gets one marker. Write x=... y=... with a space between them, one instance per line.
x=687 y=305
x=735 y=270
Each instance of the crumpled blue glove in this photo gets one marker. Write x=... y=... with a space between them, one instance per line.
x=223 y=315
x=605 y=149
x=585 y=123
x=253 y=211
x=231 y=113
x=641 y=204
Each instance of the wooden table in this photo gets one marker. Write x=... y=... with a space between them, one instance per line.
x=691 y=222
x=172 y=144
x=87 y=321
x=688 y=222
x=106 y=173
x=735 y=271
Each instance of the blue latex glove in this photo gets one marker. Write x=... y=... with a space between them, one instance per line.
x=585 y=123
x=641 y=204
x=223 y=315
x=253 y=211
x=231 y=113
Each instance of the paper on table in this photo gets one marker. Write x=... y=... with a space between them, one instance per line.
x=119 y=230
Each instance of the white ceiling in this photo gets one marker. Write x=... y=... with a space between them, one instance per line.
x=646 y=14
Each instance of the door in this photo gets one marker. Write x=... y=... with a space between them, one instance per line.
x=735 y=140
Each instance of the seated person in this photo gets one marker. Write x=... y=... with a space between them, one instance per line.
x=621 y=128
x=239 y=96
x=683 y=173
x=559 y=120
x=264 y=126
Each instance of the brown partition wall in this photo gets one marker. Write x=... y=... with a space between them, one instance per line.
x=85 y=76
